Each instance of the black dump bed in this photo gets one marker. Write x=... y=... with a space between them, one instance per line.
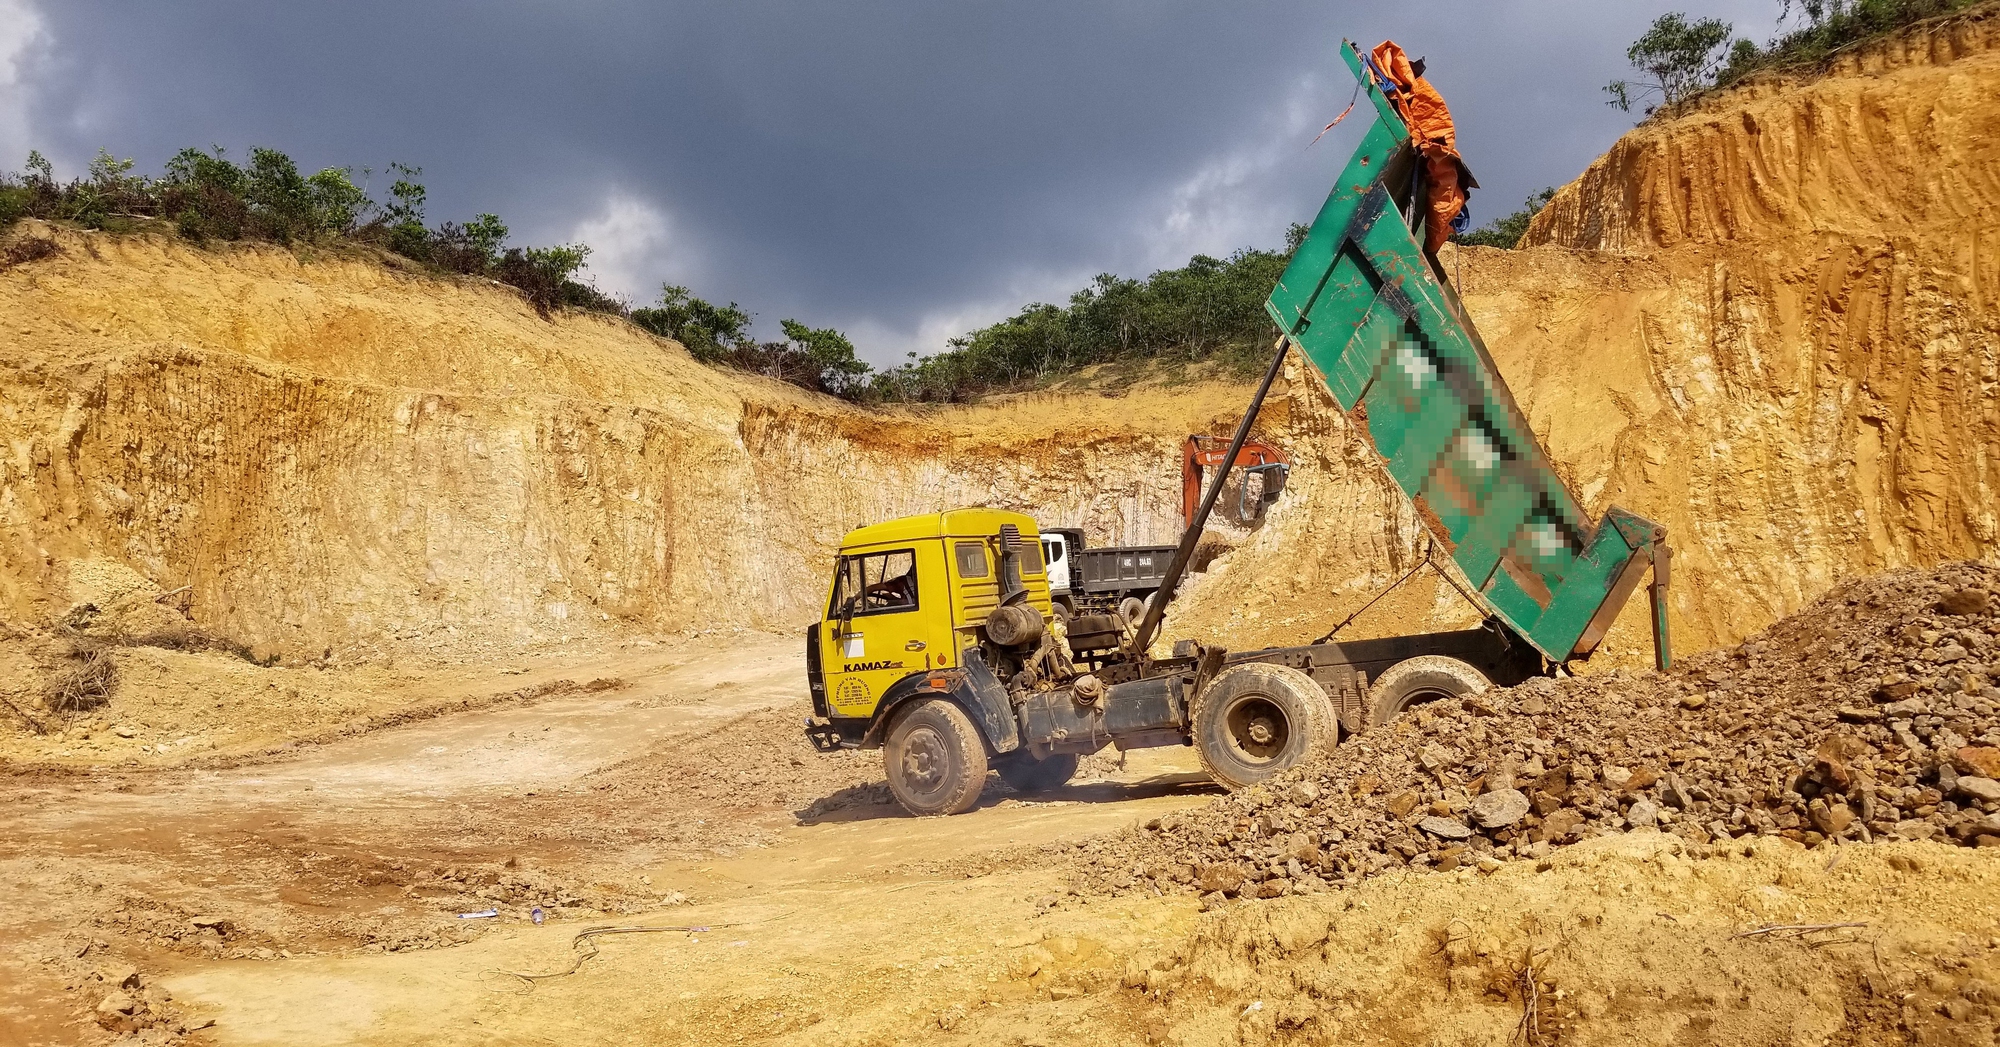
x=1120 y=568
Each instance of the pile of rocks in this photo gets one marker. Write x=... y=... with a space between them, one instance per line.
x=1872 y=714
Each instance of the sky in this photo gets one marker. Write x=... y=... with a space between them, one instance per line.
x=903 y=171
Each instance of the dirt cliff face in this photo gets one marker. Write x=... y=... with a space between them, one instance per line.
x=335 y=454
x=1772 y=324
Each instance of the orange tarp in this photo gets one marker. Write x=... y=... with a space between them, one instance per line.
x=1429 y=120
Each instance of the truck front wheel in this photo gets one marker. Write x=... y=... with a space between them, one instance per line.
x=1256 y=720
x=1425 y=678
x=935 y=759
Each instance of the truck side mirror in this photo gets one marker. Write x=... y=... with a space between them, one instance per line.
x=848 y=596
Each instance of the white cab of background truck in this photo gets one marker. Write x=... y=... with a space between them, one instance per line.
x=1056 y=560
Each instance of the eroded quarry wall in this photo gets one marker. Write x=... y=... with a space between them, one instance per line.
x=335 y=454
x=1772 y=324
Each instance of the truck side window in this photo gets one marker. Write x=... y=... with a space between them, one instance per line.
x=971 y=557
x=876 y=582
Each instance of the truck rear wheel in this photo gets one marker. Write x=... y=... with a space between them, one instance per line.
x=935 y=758
x=1425 y=678
x=1025 y=774
x=1256 y=720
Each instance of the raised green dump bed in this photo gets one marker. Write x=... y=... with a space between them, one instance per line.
x=1366 y=305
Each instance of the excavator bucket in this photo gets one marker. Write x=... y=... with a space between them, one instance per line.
x=1369 y=308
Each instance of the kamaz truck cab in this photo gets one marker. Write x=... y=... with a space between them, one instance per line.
x=925 y=616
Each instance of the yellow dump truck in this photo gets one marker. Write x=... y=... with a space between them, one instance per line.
x=939 y=645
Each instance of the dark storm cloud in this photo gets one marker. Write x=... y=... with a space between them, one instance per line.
x=902 y=170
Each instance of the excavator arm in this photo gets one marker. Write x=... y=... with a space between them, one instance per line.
x=1202 y=453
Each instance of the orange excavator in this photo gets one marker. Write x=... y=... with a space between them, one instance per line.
x=1255 y=457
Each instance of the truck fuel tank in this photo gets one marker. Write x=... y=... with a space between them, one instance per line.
x=1058 y=721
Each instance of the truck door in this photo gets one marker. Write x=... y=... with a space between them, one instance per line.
x=1055 y=560
x=877 y=629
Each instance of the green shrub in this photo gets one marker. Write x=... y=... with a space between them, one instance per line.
x=404 y=214
x=16 y=203
x=193 y=169
x=337 y=204
x=826 y=358
x=206 y=194
x=1678 y=55
x=1506 y=232
x=545 y=275
x=472 y=248
x=278 y=196
x=708 y=331
x=487 y=234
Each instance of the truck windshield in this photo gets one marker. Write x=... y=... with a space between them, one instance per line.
x=873 y=583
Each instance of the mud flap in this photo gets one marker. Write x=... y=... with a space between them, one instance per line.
x=982 y=694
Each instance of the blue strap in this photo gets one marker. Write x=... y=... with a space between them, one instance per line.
x=1389 y=86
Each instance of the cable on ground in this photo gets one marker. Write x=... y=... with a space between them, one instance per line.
x=585 y=945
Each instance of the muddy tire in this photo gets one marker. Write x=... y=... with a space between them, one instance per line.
x=935 y=758
x=1256 y=720
x=1062 y=610
x=1025 y=774
x=1426 y=678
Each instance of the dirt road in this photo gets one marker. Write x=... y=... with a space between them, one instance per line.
x=682 y=779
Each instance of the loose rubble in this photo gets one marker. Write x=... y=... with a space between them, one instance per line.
x=1872 y=714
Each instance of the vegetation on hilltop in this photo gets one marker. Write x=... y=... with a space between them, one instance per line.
x=1209 y=309
x=1683 y=58
x=207 y=196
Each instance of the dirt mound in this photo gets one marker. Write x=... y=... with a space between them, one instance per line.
x=1873 y=714
x=716 y=793
x=1617 y=941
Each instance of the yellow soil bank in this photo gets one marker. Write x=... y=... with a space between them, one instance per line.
x=1773 y=323
x=335 y=454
